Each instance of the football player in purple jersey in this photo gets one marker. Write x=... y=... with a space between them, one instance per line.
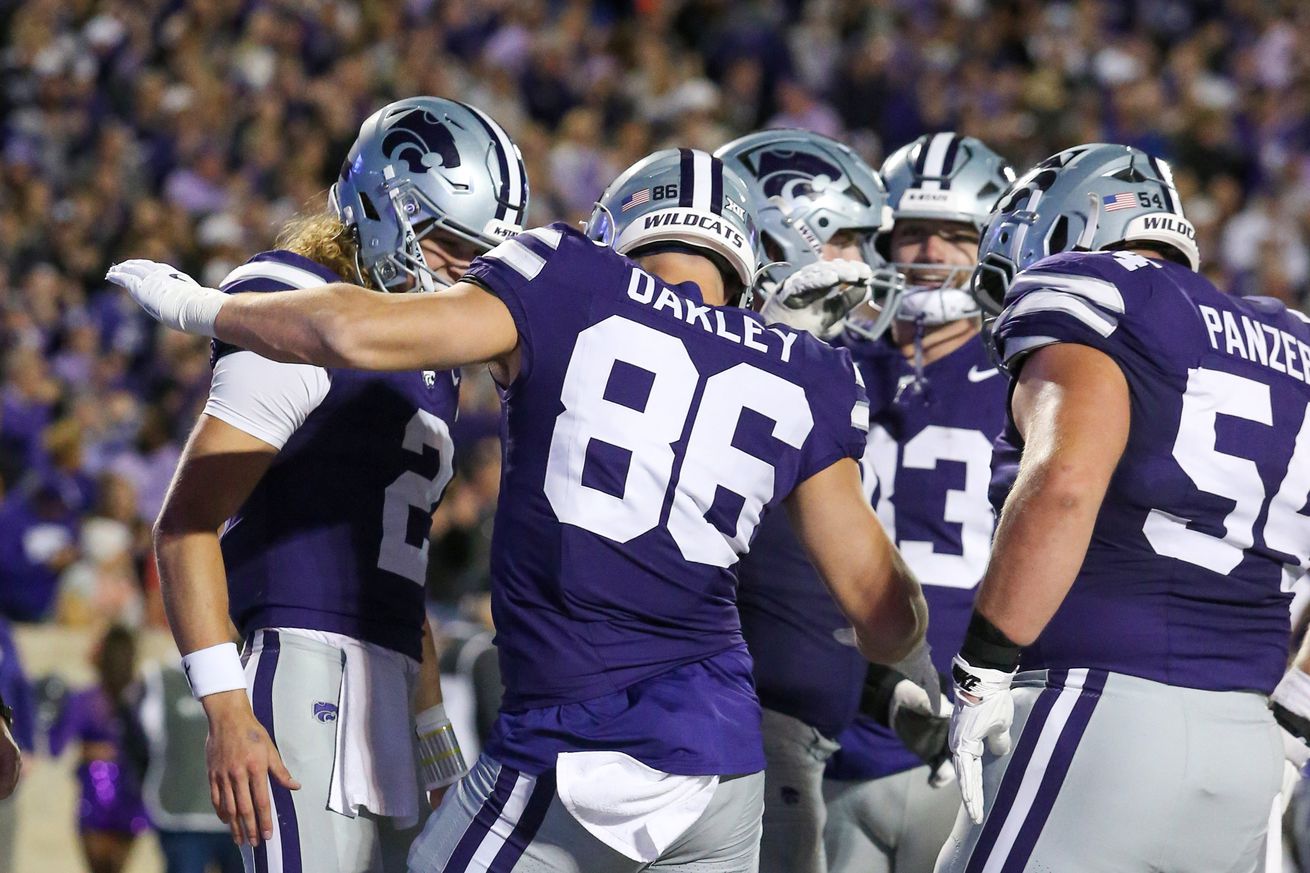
x=1111 y=694
x=649 y=423
x=323 y=480
x=820 y=207
x=936 y=403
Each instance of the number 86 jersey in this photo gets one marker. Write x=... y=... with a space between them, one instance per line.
x=1204 y=528
x=644 y=437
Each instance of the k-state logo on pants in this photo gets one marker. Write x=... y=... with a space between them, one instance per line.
x=325 y=712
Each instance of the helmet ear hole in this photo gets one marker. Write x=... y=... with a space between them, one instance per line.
x=1058 y=241
x=370 y=211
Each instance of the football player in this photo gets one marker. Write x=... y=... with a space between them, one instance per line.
x=820 y=207
x=1111 y=691
x=649 y=423
x=323 y=480
x=937 y=402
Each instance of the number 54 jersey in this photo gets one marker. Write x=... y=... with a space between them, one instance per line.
x=644 y=437
x=1204 y=527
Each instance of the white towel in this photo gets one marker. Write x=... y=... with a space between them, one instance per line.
x=632 y=808
x=375 y=769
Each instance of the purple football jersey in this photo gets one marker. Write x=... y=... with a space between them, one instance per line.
x=928 y=465
x=335 y=535
x=645 y=436
x=1203 y=529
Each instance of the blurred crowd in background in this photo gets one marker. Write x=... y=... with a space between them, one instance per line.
x=189 y=131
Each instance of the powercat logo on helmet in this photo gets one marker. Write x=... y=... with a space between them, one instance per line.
x=690 y=219
x=789 y=174
x=421 y=140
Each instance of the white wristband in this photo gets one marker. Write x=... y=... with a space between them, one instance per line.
x=215 y=669
x=440 y=760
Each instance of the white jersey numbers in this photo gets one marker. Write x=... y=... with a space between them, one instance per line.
x=710 y=461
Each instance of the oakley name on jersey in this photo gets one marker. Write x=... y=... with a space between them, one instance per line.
x=1204 y=526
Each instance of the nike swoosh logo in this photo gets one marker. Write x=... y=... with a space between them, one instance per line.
x=976 y=375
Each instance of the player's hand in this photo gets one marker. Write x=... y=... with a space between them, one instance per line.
x=984 y=710
x=242 y=760
x=923 y=730
x=818 y=296
x=919 y=669
x=171 y=297
x=11 y=761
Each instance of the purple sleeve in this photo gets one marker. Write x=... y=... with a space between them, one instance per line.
x=1090 y=299
x=521 y=271
x=839 y=404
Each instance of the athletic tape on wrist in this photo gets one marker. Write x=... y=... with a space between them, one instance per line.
x=214 y=670
x=441 y=762
x=986 y=645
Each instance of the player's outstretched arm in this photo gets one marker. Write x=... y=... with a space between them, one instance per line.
x=336 y=325
x=219 y=468
x=1071 y=406
x=867 y=577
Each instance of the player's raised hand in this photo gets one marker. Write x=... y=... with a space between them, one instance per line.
x=818 y=296
x=984 y=710
x=242 y=761
x=171 y=297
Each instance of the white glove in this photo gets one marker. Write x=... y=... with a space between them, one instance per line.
x=984 y=710
x=818 y=296
x=171 y=297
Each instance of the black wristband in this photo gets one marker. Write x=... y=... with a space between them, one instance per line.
x=1291 y=722
x=986 y=646
x=876 y=697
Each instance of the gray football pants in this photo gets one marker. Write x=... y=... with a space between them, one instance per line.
x=290 y=678
x=1114 y=774
x=499 y=820
x=896 y=824
x=795 y=755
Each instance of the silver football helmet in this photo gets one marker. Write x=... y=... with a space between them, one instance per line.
x=942 y=177
x=1086 y=198
x=807 y=188
x=422 y=164
x=680 y=196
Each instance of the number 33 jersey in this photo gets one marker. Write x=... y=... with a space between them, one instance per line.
x=1204 y=527
x=334 y=537
x=644 y=437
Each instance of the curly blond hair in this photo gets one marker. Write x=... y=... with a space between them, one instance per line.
x=321 y=237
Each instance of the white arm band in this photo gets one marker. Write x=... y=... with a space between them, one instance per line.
x=440 y=760
x=215 y=669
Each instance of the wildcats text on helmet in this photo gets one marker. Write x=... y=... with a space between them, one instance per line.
x=689 y=219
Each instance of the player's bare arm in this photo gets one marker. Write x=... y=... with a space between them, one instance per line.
x=337 y=325
x=219 y=468
x=868 y=579
x=1071 y=405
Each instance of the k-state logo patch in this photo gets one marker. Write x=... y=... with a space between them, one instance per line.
x=325 y=712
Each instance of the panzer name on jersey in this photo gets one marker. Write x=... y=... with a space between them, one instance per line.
x=645 y=436
x=1204 y=526
x=334 y=537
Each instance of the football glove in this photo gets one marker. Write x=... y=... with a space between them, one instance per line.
x=984 y=710
x=171 y=297
x=894 y=701
x=818 y=296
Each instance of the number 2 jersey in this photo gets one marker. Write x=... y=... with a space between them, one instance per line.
x=334 y=536
x=1204 y=528
x=644 y=437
